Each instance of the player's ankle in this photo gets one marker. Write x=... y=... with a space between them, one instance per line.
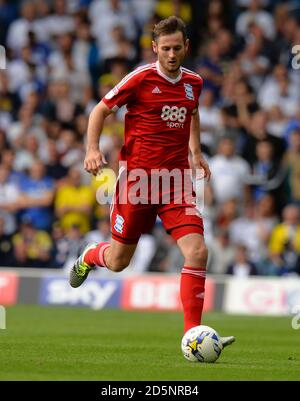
x=89 y=258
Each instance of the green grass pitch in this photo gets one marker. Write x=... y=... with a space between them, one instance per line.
x=55 y=343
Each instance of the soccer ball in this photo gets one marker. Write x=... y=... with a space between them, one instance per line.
x=201 y=344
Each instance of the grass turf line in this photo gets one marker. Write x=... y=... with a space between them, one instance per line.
x=57 y=343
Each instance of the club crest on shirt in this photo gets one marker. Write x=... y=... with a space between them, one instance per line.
x=189 y=91
x=119 y=224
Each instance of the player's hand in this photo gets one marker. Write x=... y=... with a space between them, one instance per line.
x=94 y=161
x=200 y=162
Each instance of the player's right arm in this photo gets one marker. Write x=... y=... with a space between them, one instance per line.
x=94 y=158
x=121 y=94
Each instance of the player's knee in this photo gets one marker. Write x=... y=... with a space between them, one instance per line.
x=197 y=255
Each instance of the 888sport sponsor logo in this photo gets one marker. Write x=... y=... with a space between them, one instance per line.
x=174 y=116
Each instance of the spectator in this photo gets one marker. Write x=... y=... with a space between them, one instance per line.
x=265 y=221
x=142 y=11
x=253 y=228
x=27 y=152
x=9 y=205
x=9 y=101
x=7 y=160
x=59 y=106
x=227 y=45
x=27 y=121
x=265 y=217
x=37 y=196
x=8 y=13
x=60 y=21
x=292 y=163
x=17 y=35
x=227 y=212
x=287 y=26
x=54 y=168
x=209 y=67
x=279 y=89
x=105 y=16
x=167 y=257
x=85 y=52
x=261 y=17
x=256 y=132
x=242 y=105
x=210 y=118
x=181 y=9
x=69 y=149
x=6 y=246
x=144 y=254
x=74 y=202
x=3 y=141
x=32 y=247
x=284 y=243
x=229 y=172
x=267 y=175
x=242 y=228
x=68 y=247
x=59 y=248
x=241 y=266
x=25 y=76
x=101 y=233
x=277 y=122
x=253 y=63
x=221 y=253
x=64 y=66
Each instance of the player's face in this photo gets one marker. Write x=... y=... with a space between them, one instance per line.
x=171 y=50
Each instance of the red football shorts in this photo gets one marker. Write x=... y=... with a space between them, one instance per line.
x=129 y=220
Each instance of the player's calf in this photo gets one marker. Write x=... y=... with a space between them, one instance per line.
x=117 y=263
x=115 y=256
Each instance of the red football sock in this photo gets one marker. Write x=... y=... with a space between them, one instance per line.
x=95 y=256
x=192 y=288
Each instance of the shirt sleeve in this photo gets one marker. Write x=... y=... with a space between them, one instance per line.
x=200 y=86
x=197 y=92
x=123 y=93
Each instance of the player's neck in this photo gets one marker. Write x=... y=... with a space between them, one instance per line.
x=172 y=75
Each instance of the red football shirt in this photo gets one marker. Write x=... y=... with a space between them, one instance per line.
x=157 y=123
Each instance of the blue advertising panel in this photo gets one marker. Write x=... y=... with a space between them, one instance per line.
x=94 y=293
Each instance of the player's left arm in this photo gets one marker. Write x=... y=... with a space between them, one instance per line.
x=195 y=146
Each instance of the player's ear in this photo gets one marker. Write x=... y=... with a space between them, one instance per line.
x=187 y=45
x=154 y=46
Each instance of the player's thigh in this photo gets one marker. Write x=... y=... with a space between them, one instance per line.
x=129 y=221
x=181 y=220
x=185 y=225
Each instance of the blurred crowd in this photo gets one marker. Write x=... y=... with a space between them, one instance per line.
x=63 y=56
